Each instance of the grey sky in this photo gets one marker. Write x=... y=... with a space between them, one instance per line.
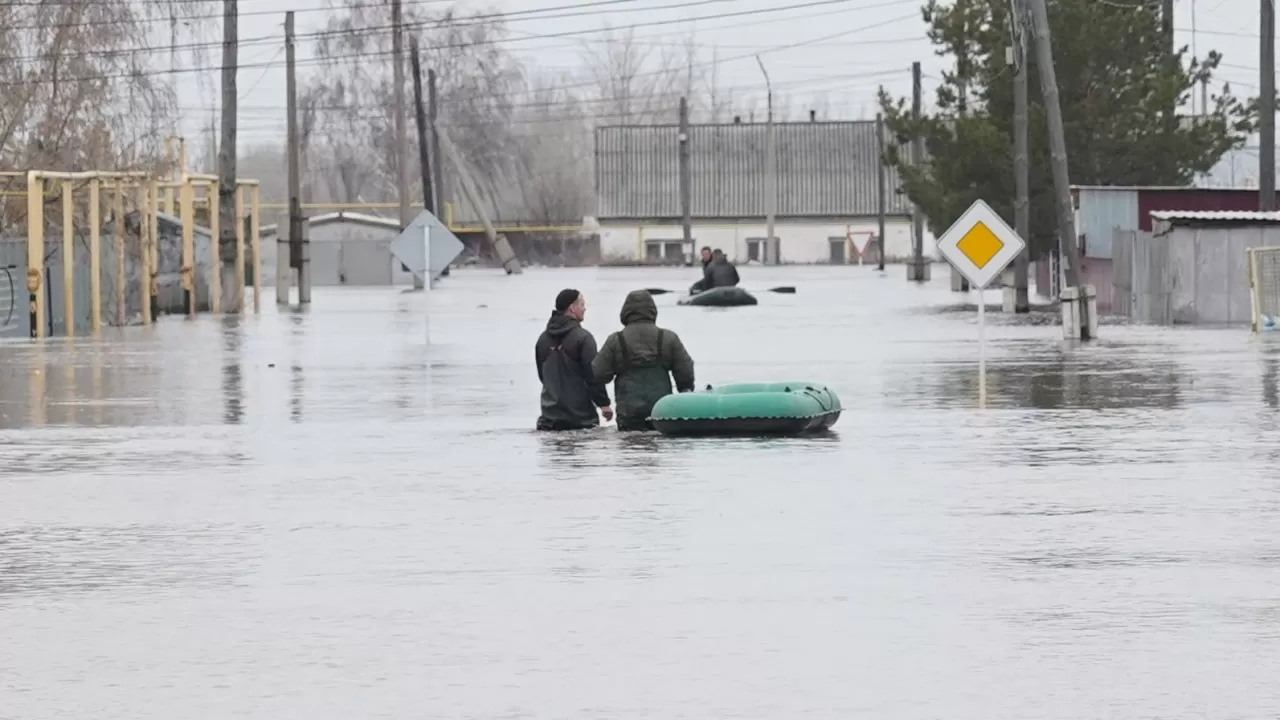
x=843 y=50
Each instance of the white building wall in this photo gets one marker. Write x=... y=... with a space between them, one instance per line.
x=799 y=242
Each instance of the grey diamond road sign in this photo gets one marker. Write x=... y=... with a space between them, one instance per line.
x=426 y=245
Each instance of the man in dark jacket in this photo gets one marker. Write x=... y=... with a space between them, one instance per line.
x=564 y=353
x=720 y=272
x=641 y=359
x=703 y=283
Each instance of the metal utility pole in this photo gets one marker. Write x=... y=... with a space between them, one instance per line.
x=420 y=115
x=1057 y=140
x=770 y=172
x=1267 y=110
x=227 y=146
x=437 y=167
x=287 y=257
x=686 y=196
x=881 y=201
x=917 y=270
x=1021 y=167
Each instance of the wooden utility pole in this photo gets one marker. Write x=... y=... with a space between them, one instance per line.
x=1267 y=110
x=686 y=196
x=287 y=256
x=501 y=246
x=1021 y=166
x=917 y=270
x=881 y=200
x=1166 y=24
x=420 y=115
x=227 y=145
x=437 y=161
x=1057 y=141
x=401 y=138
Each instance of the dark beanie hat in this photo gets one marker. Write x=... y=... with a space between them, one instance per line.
x=566 y=298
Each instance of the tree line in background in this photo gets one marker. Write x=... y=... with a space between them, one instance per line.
x=525 y=132
x=86 y=87
x=1117 y=76
x=83 y=89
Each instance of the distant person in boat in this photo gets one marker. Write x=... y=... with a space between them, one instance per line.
x=702 y=284
x=720 y=272
x=564 y=353
x=641 y=359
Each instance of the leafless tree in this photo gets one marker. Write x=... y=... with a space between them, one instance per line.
x=479 y=88
x=641 y=83
x=82 y=86
x=553 y=133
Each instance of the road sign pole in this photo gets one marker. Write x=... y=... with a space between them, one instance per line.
x=982 y=349
x=427 y=283
x=980 y=245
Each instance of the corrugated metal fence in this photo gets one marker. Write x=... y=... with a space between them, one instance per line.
x=1189 y=275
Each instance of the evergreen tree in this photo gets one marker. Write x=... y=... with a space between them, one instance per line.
x=1117 y=80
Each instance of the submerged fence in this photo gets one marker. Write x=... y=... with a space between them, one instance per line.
x=1185 y=275
x=101 y=248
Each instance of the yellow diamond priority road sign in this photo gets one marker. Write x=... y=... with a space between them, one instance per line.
x=980 y=244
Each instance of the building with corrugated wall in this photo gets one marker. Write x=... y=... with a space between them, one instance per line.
x=827 y=202
x=1103 y=209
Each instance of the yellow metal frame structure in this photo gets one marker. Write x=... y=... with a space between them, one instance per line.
x=121 y=183
x=144 y=190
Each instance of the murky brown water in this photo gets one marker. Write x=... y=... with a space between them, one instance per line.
x=322 y=516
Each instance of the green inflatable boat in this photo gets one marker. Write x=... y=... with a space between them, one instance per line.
x=784 y=408
x=720 y=297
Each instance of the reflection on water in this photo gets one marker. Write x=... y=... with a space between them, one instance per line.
x=298 y=514
x=1060 y=381
x=232 y=374
x=1270 y=371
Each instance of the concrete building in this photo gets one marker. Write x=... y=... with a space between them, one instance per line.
x=1102 y=210
x=1190 y=268
x=827 y=201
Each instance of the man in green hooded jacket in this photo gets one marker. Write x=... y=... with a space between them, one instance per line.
x=641 y=359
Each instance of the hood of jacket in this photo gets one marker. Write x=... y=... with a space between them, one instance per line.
x=638 y=308
x=559 y=325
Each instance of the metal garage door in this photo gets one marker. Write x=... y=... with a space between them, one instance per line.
x=366 y=262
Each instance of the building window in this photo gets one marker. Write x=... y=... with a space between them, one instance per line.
x=838 y=256
x=758 y=252
x=665 y=251
x=673 y=251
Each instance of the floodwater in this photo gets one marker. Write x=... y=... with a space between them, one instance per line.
x=322 y=515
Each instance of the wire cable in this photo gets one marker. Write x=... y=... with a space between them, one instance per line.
x=447 y=46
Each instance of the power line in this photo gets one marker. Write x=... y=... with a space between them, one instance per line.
x=146 y=19
x=425 y=24
x=585 y=117
x=703 y=66
x=372 y=110
x=446 y=46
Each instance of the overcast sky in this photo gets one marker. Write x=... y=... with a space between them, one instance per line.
x=842 y=49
